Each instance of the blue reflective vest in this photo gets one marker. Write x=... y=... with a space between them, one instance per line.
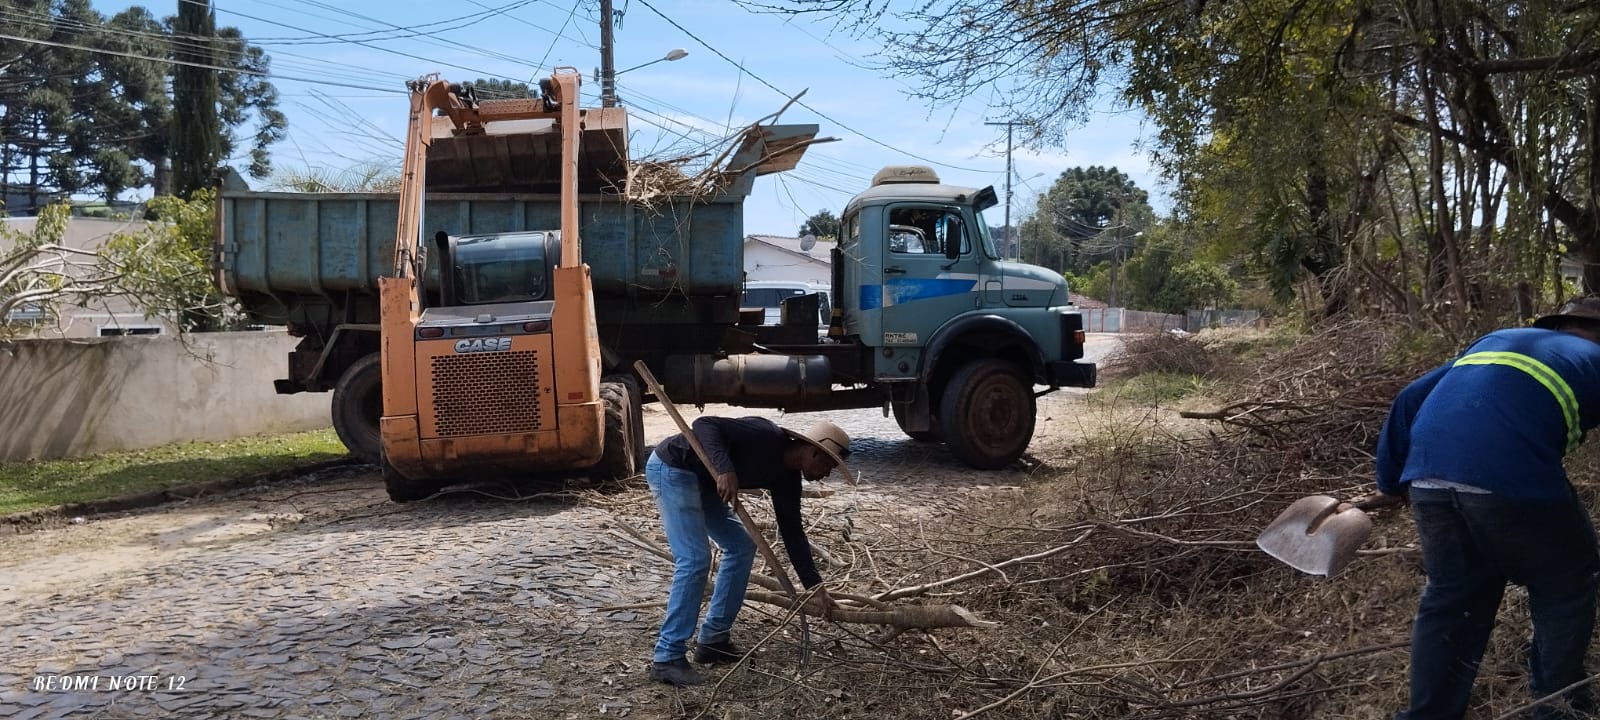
x=1500 y=417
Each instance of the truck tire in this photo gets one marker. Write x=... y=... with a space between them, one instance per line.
x=619 y=459
x=931 y=435
x=987 y=414
x=357 y=405
x=641 y=453
x=403 y=489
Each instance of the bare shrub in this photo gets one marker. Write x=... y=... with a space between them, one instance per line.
x=1144 y=353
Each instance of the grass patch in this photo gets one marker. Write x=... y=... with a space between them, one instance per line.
x=34 y=485
x=1158 y=388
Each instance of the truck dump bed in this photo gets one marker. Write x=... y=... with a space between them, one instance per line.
x=314 y=258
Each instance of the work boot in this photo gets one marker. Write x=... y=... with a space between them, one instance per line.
x=678 y=673
x=718 y=653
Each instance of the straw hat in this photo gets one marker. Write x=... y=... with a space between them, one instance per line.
x=831 y=439
x=1585 y=309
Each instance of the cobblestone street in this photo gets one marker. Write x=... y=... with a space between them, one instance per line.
x=320 y=599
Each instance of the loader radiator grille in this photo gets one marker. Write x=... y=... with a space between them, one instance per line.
x=486 y=393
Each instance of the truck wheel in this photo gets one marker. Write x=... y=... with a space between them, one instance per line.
x=357 y=405
x=403 y=489
x=987 y=414
x=931 y=435
x=641 y=454
x=618 y=460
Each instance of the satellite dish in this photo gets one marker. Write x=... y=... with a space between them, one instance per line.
x=807 y=242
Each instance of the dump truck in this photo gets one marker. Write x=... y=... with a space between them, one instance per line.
x=928 y=322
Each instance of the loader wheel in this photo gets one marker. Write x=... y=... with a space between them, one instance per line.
x=931 y=435
x=403 y=489
x=987 y=414
x=619 y=458
x=357 y=405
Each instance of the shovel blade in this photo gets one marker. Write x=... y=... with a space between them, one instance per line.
x=1315 y=535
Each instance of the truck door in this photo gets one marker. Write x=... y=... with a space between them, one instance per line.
x=921 y=286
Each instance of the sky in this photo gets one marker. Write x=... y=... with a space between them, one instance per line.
x=340 y=68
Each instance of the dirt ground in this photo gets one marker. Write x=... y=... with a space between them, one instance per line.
x=320 y=598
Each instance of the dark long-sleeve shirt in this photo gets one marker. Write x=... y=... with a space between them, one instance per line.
x=1500 y=417
x=751 y=448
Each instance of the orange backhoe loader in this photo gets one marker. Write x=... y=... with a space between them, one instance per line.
x=490 y=359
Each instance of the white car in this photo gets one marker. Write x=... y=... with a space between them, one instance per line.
x=770 y=294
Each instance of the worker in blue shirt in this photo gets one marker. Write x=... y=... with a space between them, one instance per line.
x=1477 y=446
x=744 y=454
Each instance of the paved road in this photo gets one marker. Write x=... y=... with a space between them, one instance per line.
x=319 y=599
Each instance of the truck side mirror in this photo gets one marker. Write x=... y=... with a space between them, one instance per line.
x=952 y=243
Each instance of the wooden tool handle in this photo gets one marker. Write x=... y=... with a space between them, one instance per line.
x=694 y=442
x=1378 y=501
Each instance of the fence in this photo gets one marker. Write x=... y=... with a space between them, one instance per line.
x=1124 y=320
x=1112 y=320
x=67 y=398
x=1201 y=319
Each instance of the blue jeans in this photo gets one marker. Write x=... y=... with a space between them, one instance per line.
x=691 y=516
x=1472 y=545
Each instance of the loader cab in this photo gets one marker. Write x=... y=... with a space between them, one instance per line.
x=495 y=268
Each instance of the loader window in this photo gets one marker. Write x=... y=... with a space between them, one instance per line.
x=499 y=268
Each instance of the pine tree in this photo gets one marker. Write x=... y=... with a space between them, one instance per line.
x=196 y=126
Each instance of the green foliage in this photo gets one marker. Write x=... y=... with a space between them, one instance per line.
x=823 y=225
x=497 y=89
x=1095 y=282
x=36 y=270
x=36 y=485
x=91 y=113
x=1087 y=215
x=161 y=267
x=374 y=176
x=1161 y=278
x=165 y=265
x=1420 y=158
x=1156 y=388
x=196 y=127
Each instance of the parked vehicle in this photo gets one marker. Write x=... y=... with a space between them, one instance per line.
x=952 y=340
x=770 y=295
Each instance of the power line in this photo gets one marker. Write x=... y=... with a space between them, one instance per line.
x=169 y=61
x=801 y=103
x=364 y=44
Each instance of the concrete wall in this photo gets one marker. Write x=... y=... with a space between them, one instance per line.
x=66 y=398
x=765 y=261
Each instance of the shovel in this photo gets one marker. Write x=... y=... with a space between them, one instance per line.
x=1320 y=534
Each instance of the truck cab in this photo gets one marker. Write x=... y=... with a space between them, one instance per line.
x=959 y=336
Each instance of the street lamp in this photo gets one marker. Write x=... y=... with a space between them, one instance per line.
x=608 y=82
x=673 y=54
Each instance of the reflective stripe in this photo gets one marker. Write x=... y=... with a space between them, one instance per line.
x=1550 y=379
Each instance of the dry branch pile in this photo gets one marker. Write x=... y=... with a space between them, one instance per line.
x=1124 y=576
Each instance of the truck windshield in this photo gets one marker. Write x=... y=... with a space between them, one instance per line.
x=983 y=232
x=500 y=268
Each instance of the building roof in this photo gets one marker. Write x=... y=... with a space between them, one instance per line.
x=818 y=252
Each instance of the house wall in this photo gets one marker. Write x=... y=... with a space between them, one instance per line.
x=67 y=398
x=90 y=320
x=764 y=262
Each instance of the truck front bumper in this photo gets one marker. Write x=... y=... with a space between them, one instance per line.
x=1071 y=374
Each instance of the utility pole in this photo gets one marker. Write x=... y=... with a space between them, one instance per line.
x=1013 y=237
x=1116 y=250
x=608 y=75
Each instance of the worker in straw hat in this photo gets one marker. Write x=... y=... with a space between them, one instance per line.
x=695 y=502
x=1477 y=445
